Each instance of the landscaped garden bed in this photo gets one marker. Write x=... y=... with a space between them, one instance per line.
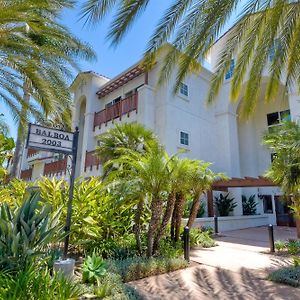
x=125 y=225
x=289 y=274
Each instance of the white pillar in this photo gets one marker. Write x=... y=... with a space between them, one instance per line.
x=146 y=107
x=294 y=104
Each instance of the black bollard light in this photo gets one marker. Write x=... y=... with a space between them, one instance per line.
x=216 y=224
x=271 y=238
x=186 y=243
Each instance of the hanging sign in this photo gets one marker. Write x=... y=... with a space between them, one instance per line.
x=50 y=139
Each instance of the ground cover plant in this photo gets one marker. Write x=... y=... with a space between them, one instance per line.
x=288 y=275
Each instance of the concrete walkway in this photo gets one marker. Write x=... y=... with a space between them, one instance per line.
x=235 y=269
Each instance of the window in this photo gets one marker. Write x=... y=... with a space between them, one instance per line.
x=268 y=205
x=184 y=90
x=184 y=138
x=273 y=156
x=275 y=119
x=113 y=102
x=229 y=73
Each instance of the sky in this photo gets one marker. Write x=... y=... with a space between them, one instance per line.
x=111 y=60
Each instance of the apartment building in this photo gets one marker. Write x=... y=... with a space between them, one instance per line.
x=213 y=133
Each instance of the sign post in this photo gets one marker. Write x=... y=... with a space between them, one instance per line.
x=71 y=191
x=59 y=141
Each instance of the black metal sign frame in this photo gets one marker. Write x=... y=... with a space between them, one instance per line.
x=73 y=153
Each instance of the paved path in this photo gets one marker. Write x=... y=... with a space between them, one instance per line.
x=235 y=269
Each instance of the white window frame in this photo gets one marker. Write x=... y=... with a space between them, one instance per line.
x=186 y=138
x=184 y=87
x=279 y=118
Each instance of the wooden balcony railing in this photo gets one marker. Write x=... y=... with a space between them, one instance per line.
x=58 y=167
x=31 y=152
x=91 y=160
x=117 y=110
x=26 y=174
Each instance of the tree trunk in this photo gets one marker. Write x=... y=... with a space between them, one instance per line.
x=17 y=153
x=165 y=221
x=21 y=131
x=137 y=225
x=194 y=210
x=156 y=209
x=179 y=214
x=173 y=221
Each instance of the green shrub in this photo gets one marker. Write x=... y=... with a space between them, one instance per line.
x=111 y=287
x=31 y=283
x=293 y=246
x=93 y=269
x=287 y=275
x=101 y=216
x=198 y=237
x=296 y=261
x=280 y=245
x=225 y=205
x=249 y=205
x=140 y=267
x=27 y=231
x=170 y=249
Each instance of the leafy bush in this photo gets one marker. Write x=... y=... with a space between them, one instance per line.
x=249 y=205
x=225 y=205
x=140 y=267
x=188 y=207
x=31 y=283
x=170 y=249
x=296 y=261
x=287 y=275
x=280 y=245
x=26 y=232
x=93 y=269
x=111 y=287
x=14 y=193
x=293 y=247
x=198 y=237
x=99 y=217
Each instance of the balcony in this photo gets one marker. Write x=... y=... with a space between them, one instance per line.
x=58 y=167
x=31 y=152
x=26 y=174
x=117 y=110
x=91 y=160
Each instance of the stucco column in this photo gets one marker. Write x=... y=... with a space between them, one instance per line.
x=229 y=154
x=146 y=107
x=294 y=104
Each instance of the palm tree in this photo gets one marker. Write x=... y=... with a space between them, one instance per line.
x=37 y=59
x=202 y=178
x=150 y=173
x=194 y=26
x=285 y=168
x=123 y=139
x=128 y=136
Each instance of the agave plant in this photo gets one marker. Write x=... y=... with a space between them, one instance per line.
x=27 y=232
x=93 y=269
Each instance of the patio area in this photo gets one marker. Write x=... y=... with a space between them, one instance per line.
x=235 y=269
